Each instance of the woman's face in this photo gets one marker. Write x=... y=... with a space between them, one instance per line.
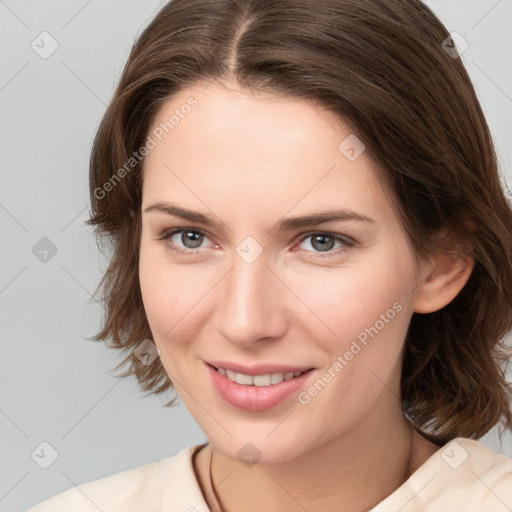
x=236 y=275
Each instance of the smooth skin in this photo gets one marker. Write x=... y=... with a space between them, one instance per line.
x=249 y=160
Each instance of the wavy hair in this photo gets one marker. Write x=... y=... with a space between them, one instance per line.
x=383 y=67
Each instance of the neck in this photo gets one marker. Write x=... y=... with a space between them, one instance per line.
x=355 y=472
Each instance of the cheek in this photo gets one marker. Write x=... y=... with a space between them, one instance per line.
x=353 y=301
x=167 y=299
x=369 y=316
x=365 y=311
x=162 y=286
x=171 y=294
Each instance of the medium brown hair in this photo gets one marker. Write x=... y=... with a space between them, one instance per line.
x=381 y=66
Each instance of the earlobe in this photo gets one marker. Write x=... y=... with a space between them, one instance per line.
x=445 y=277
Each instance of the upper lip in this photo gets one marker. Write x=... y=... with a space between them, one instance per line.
x=258 y=369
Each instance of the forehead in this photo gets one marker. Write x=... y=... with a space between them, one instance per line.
x=257 y=152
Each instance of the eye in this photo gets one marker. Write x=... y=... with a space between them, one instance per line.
x=321 y=245
x=184 y=240
x=321 y=242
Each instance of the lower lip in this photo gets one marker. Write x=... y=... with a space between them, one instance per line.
x=255 y=398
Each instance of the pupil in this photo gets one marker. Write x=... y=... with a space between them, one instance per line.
x=323 y=246
x=192 y=238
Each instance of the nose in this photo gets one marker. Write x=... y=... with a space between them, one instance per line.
x=251 y=303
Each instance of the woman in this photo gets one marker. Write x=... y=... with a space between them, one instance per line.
x=311 y=244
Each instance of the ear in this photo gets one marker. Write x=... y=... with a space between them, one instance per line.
x=444 y=276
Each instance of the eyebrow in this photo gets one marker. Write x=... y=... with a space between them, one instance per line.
x=287 y=224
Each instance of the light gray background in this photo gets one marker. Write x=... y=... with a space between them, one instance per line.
x=55 y=385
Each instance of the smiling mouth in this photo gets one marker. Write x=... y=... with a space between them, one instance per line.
x=264 y=380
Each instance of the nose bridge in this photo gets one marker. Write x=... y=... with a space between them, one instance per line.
x=247 y=293
x=249 y=307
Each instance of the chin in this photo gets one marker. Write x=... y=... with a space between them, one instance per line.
x=251 y=446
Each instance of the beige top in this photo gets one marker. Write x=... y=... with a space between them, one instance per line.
x=462 y=476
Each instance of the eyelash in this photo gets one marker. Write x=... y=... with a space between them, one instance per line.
x=348 y=242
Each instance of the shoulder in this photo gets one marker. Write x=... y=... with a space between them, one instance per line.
x=487 y=474
x=462 y=475
x=135 y=489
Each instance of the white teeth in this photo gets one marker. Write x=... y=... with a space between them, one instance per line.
x=243 y=379
x=261 y=380
x=276 y=378
x=257 y=380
